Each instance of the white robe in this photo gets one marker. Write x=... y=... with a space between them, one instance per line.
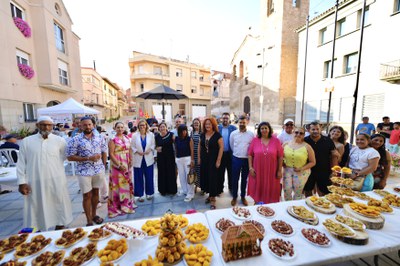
x=41 y=165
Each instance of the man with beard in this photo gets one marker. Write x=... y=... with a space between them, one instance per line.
x=41 y=179
x=239 y=142
x=89 y=150
x=225 y=129
x=326 y=157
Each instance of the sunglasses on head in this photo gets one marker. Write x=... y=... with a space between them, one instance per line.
x=298 y=133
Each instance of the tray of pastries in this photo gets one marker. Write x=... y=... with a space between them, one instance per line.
x=28 y=249
x=241 y=213
x=197 y=232
x=352 y=222
x=9 y=244
x=183 y=221
x=338 y=200
x=98 y=234
x=259 y=225
x=81 y=255
x=152 y=227
x=363 y=196
x=281 y=249
x=150 y=261
x=342 y=190
x=223 y=224
x=13 y=263
x=315 y=237
x=48 y=258
x=393 y=200
x=198 y=255
x=282 y=228
x=320 y=202
x=265 y=211
x=365 y=210
x=381 y=192
x=342 y=181
x=69 y=238
x=114 y=250
x=124 y=230
x=338 y=229
x=170 y=238
x=382 y=206
x=302 y=212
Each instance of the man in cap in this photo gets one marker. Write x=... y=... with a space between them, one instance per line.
x=287 y=132
x=42 y=180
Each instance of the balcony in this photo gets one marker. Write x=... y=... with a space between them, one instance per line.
x=58 y=87
x=146 y=75
x=390 y=72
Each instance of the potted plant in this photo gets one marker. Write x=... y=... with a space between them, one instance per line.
x=26 y=71
x=23 y=26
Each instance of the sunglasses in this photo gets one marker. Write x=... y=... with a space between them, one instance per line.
x=289 y=125
x=298 y=133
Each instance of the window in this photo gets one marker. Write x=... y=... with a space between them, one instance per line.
x=327 y=69
x=22 y=58
x=17 y=12
x=194 y=75
x=350 y=63
x=341 y=27
x=194 y=89
x=322 y=36
x=59 y=34
x=140 y=69
x=157 y=70
x=179 y=87
x=29 y=112
x=201 y=77
x=179 y=72
x=63 y=73
x=359 y=15
x=396 y=6
x=141 y=86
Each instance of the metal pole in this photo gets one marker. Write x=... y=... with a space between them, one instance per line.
x=304 y=73
x=355 y=95
x=262 y=86
x=332 y=65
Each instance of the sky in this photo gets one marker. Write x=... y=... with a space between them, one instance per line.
x=208 y=32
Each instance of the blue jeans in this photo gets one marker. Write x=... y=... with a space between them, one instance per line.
x=146 y=183
x=239 y=166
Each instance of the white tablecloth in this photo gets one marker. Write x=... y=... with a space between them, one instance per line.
x=380 y=241
x=10 y=178
x=138 y=249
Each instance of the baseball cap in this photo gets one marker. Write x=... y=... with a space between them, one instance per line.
x=288 y=120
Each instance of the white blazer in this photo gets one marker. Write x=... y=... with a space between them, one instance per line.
x=136 y=144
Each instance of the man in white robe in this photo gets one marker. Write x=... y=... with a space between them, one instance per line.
x=42 y=180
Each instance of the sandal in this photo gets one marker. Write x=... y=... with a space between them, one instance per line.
x=98 y=220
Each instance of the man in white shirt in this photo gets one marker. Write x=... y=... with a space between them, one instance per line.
x=287 y=132
x=239 y=142
x=178 y=122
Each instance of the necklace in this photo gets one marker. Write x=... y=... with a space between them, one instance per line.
x=265 y=152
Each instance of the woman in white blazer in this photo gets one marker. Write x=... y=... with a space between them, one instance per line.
x=143 y=146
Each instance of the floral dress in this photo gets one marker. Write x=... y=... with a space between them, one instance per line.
x=121 y=200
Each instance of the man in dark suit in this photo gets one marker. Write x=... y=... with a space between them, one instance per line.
x=11 y=143
x=225 y=129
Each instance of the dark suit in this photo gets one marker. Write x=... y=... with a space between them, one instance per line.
x=226 y=161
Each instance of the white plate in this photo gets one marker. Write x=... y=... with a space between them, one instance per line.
x=364 y=227
x=256 y=225
x=270 y=225
x=240 y=217
x=101 y=238
x=34 y=254
x=220 y=231
x=315 y=244
x=290 y=209
x=285 y=257
x=268 y=217
x=79 y=240
x=198 y=242
x=345 y=225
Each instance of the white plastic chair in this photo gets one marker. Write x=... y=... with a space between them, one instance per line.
x=7 y=154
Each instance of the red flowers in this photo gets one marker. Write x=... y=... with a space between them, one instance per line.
x=26 y=71
x=23 y=26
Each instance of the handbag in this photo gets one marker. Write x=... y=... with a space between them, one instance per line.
x=191 y=176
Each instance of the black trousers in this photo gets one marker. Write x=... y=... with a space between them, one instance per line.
x=226 y=164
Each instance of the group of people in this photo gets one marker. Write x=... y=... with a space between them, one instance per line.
x=296 y=161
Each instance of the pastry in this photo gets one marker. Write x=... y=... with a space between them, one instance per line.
x=37 y=244
x=114 y=250
x=281 y=247
x=198 y=255
x=99 y=234
x=315 y=236
x=282 y=227
x=223 y=224
x=81 y=255
x=265 y=211
x=337 y=228
x=353 y=223
x=197 y=232
x=49 y=258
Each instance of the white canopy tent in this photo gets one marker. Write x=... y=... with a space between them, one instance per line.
x=63 y=112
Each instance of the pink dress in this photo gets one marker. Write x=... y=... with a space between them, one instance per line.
x=121 y=200
x=265 y=186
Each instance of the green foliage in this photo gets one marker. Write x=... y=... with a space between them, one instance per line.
x=22 y=133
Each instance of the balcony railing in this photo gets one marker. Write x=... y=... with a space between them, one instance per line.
x=390 y=72
x=150 y=75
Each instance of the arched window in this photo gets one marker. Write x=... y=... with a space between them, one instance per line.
x=52 y=103
x=234 y=72
x=246 y=105
x=241 y=67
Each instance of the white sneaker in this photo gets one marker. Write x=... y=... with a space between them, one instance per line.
x=141 y=199
x=187 y=199
x=149 y=197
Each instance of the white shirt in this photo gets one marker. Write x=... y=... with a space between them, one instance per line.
x=359 y=157
x=285 y=137
x=240 y=142
x=41 y=166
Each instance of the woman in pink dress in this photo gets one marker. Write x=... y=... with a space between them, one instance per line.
x=120 y=200
x=265 y=166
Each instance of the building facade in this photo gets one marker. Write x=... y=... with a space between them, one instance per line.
x=40 y=63
x=379 y=79
x=264 y=68
x=149 y=71
x=220 y=93
x=110 y=95
x=93 y=96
